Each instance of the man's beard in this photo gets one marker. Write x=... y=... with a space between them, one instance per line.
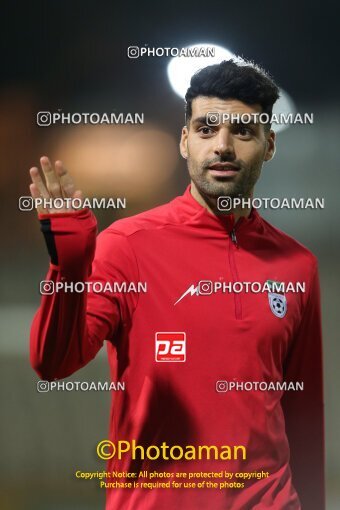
x=239 y=186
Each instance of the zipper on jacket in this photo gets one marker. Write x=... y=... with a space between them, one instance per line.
x=233 y=237
x=233 y=245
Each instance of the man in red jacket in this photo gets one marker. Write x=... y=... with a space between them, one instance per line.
x=180 y=345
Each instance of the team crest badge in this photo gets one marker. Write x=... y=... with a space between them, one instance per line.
x=277 y=302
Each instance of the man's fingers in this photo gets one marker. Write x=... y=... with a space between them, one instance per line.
x=66 y=182
x=78 y=194
x=59 y=185
x=39 y=183
x=36 y=194
x=52 y=180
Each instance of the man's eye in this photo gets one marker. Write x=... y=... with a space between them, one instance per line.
x=244 y=131
x=205 y=130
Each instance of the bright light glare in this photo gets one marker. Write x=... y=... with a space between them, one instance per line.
x=181 y=69
x=284 y=104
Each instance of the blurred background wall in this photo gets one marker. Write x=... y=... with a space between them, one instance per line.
x=72 y=56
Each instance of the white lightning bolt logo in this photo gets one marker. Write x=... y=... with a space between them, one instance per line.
x=191 y=290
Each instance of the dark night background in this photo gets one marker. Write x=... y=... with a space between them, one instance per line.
x=72 y=55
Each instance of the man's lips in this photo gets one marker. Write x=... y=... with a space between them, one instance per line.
x=223 y=169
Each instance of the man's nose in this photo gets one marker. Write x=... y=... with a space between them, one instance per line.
x=224 y=143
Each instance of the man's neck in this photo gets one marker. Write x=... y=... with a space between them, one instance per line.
x=211 y=205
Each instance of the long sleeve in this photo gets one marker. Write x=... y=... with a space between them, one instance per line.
x=69 y=328
x=303 y=410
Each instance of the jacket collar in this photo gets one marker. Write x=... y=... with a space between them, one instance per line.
x=193 y=213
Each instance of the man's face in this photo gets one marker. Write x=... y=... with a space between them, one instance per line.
x=225 y=159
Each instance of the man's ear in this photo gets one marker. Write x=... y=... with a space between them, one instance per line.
x=270 y=146
x=183 y=145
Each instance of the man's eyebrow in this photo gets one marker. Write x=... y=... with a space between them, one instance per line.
x=245 y=124
x=200 y=120
x=203 y=120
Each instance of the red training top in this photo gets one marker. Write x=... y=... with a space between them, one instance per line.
x=172 y=393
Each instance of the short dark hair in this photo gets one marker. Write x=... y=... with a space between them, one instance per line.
x=233 y=79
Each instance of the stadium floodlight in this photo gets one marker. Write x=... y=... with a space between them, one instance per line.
x=181 y=68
